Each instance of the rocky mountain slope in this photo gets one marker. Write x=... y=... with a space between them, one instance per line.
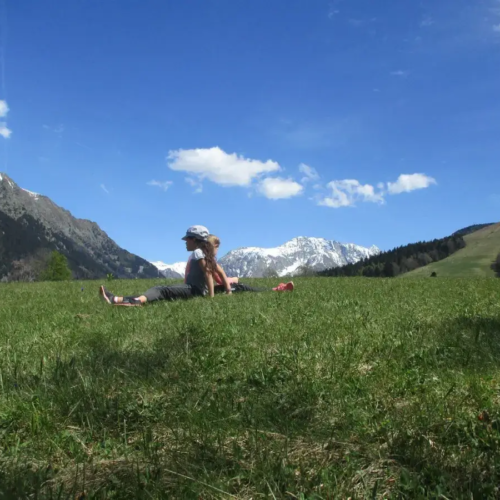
x=288 y=259
x=30 y=222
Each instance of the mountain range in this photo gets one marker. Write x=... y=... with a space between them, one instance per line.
x=288 y=259
x=30 y=222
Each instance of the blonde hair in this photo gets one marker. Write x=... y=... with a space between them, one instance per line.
x=214 y=240
x=209 y=250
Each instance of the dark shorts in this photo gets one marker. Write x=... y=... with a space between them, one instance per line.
x=173 y=292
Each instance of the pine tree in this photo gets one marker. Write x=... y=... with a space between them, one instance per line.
x=401 y=259
x=57 y=268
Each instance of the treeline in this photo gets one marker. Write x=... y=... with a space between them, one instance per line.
x=400 y=260
x=471 y=229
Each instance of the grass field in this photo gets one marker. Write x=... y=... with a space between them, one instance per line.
x=345 y=388
x=473 y=261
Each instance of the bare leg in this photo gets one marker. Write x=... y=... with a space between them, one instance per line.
x=174 y=292
x=121 y=301
x=137 y=301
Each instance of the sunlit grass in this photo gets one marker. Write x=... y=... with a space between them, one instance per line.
x=346 y=387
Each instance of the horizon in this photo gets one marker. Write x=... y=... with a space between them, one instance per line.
x=354 y=122
x=265 y=248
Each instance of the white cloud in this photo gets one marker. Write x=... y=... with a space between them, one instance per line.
x=276 y=188
x=4 y=109
x=103 y=187
x=409 y=182
x=348 y=191
x=4 y=131
x=427 y=22
x=218 y=166
x=161 y=184
x=401 y=73
x=310 y=174
x=197 y=185
x=496 y=28
x=333 y=9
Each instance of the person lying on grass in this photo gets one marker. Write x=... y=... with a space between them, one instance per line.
x=199 y=281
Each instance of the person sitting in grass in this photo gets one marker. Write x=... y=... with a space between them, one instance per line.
x=221 y=279
x=199 y=281
x=218 y=274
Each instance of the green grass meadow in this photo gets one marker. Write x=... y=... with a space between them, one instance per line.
x=361 y=388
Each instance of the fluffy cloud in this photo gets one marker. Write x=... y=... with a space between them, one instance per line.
x=347 y=192
x=407 y=183
x=220 y=167
x=310 y=173
x=5 y=132
x=226 y=169
x=161 y=184
x=4 y=109
x=276 y=188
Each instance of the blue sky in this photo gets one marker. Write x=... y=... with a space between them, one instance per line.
x=361 y=121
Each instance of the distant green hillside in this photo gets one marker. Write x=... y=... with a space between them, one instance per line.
x=472 y=261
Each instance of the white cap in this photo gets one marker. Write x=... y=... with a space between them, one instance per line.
x=197 y=232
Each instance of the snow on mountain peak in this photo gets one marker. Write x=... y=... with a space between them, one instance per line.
x=31 y=193
x=285 y=260
x=3 y=177
x=312 y=253
x=176 y=270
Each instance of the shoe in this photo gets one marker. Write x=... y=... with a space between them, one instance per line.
x=284 y=287
x=106 y=296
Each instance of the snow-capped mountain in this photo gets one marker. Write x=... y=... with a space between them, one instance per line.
x=314 y=253
x=288 y=259
x=176 y=270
